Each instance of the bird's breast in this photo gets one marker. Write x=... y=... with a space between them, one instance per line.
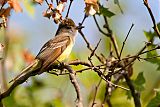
x=66 y=52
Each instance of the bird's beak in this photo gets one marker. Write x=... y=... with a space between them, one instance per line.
x=79 y=27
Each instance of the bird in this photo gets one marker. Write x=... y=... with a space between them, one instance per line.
x=55 y=50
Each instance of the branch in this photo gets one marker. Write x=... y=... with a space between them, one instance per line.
x=112 y=37
x=57 y=2
x=88 y=45
x=99 y=26
x=96 y=90
x=23 y=78
x=135 y=94
x=93 y=52
x=75 y=84
x=155 y=27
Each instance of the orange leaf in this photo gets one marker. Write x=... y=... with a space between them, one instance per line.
x=39 y=1
x=5 y=12
x=15 y=5
x=47 y=14
x=91 y=1
x=28 y=57
x=91 y=7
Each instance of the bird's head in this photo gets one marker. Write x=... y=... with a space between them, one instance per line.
x=67 y=25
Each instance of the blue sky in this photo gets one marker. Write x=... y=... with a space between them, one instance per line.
x=39 y=29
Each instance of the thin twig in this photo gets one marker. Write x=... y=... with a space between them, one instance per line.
x=149 y=57
x=85 y=16
x=93 y=52
x=99 y=26
x=4 y=2
x=57 y=2
x=126 y=39
x=96 y=90
x=120 y=8
x=89 y=46
x=155 y=27
x=112 y=37
x=69 y=8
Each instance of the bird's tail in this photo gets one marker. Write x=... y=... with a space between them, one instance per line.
x=36 y=64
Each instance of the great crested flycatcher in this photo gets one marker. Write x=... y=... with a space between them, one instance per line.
x=55 y=50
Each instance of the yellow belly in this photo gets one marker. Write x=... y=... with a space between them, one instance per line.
x=66 y=52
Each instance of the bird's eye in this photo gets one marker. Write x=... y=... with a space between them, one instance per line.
x=68 y=27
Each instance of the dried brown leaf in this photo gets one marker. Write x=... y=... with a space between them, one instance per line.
x=5 y=12
x=60 y=7
x=15 y=5
x=39 y=1
x=46 y=14
x=2 y=2
x=91 y=7
x=27 y=56
x=91 y=1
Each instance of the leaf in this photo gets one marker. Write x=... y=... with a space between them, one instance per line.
x=149 y=35
x=15 y=5
x=91 y=1
x=155 y=102
x=152 y=54
x=60 y=7
x=2 y=2
x=116 y=2
x=129 y=95
x=139 y=82
x=29 y=7
x=91 y=7
x=105 y=12
x=39 y=1
x=27 y=56
x=5 y=12
x=46 y=14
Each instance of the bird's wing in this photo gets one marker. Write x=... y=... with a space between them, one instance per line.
x=49 y=47
x=53 y=49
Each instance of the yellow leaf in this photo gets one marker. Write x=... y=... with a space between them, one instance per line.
x=29 y=7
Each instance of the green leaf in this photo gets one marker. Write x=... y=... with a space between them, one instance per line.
x=116 y=2
x=158 y=68
x=149 y=35
x=139 y=82
x=155 y=102
x=152 y=54
x=29 y=7
x=129 y=95
x=105 y=12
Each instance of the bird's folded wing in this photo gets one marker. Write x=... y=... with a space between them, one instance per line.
x=52 y=50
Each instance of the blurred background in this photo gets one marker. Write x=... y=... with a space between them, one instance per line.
x=29 y=30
